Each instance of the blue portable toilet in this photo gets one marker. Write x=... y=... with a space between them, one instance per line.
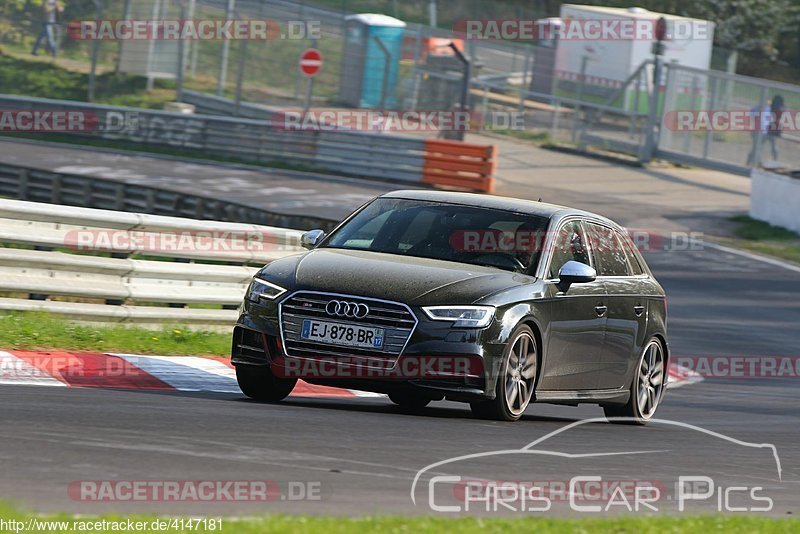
x=364 y=63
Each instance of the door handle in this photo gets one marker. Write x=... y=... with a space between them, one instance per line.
x=638 y=310
x=601 y=310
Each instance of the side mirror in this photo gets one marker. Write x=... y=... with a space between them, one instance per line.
x=575 y=272
x=312 y=238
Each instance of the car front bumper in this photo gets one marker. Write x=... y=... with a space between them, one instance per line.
x=438 y=361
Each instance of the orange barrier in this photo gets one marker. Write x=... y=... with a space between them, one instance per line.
x=460 y=165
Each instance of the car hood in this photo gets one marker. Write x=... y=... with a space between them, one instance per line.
x=415 y=281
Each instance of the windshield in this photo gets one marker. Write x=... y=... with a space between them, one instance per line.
x=450 y=232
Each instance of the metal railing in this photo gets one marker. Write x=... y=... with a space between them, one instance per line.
x=111 y=266
x=346 y=152
x=25 y=183
x=352 y=153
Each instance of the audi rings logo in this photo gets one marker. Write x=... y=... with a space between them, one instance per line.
x=341 y=308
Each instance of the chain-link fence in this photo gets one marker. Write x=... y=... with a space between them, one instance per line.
x=266 y=71
x=411 y=66
x=712 y=117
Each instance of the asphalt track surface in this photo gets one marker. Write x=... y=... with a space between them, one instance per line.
x=364 y=453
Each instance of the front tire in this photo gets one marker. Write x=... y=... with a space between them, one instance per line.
x=258 y=383
x=646 y=390
x=516 y=381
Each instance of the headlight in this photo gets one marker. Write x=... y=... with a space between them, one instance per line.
x=462 y=316
x=262 y=289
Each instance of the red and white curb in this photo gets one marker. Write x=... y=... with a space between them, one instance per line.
x=682 y=376
x=167 y=373
x=131 y=371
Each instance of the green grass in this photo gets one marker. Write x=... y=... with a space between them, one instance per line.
x=539 y=137
x=45 y=79
x=42 y=331
x=336 y=525
x=759 y=236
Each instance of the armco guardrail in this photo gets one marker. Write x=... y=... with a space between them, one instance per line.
x=24 y=183
x=353 y=153
x=41 y=264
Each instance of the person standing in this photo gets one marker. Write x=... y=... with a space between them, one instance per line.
x=51 y=10
x=761 y=121
x=774 y=132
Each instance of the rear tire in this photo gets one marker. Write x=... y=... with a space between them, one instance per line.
x=258 y=383
x=647 y=388
x=516 y=380
x=409 y=401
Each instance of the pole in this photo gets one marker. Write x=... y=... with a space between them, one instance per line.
x=577 y=112
x=126 y=14
x=432 y=13
x=192 y=44
x=181 y=56
x=654 y=119
x=240 y=77
x=464 y=83
x=95 y=46
x=226 y=48
x=309 y=87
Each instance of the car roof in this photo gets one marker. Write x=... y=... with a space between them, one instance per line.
x=516 y=205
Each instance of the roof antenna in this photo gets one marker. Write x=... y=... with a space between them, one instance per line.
x=540 y=199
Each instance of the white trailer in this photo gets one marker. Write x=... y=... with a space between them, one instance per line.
x=614 y=42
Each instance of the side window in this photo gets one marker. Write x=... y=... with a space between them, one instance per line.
x=630 y=252
x=608 y=251
x=570 y=245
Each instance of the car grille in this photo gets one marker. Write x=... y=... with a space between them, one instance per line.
x=395 y=318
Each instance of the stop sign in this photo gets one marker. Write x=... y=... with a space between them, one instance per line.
x=310 y=62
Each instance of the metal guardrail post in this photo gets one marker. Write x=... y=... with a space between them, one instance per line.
x=464 y=83
x=556 y=115
x=226 y=47
x=55 y=189
x=181 y=59
x=579 y=98
x=709 y=132
x=126 y=15
x=687 y=137
x=22 y=191
x=635 y=102
x=484 y=107
x=95 y=46
x=653 y=118
x=240 y=77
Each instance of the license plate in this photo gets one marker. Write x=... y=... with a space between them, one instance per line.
x=342 y=334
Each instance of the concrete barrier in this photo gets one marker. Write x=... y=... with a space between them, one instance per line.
x=775 y=198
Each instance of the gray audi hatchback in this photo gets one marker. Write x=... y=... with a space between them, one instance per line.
x=431 y=295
